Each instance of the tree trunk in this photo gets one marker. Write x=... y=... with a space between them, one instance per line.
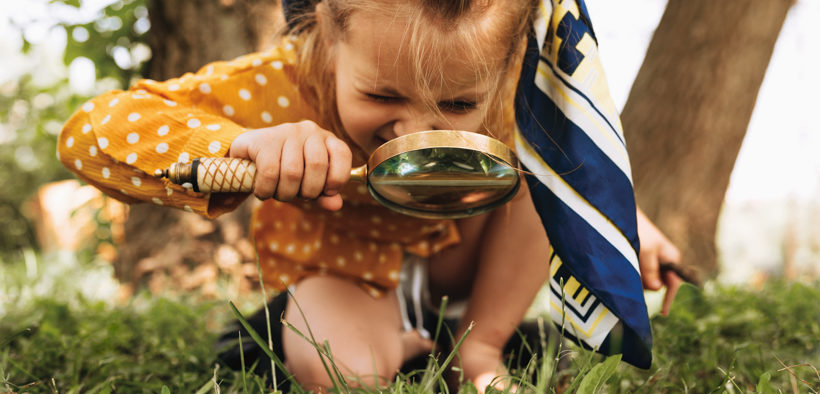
x=688 y=111
x=165 y=247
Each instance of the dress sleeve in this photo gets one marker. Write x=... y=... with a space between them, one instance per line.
x=117 y=141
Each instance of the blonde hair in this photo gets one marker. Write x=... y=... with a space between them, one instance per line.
x=470 y=23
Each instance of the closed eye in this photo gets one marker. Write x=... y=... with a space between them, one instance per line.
x=457 y=106
x=382 y=99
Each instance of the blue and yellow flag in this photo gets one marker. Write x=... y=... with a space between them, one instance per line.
x=570 y=141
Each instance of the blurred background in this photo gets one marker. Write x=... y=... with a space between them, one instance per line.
x=58 y=53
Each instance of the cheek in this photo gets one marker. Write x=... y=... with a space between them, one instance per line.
x=472 y=121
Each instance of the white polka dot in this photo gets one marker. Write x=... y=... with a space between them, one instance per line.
x=290 y=248
x=382 y=258
x=173 y=87
x=141 y=91
x=367 y=276
x=106 y=172
x=317 y=244
x=106 y=119
x=283 y=101
x=86 y=128
x=266 y=117
x=87 y=107
x=334 y=239
x=256 y=62
x=393 y=275
x=205 y=88
x=362 y=189
x=228 y=110
x=132 y=138
x=156 y=201
x=284 y=278
x=92 y=150
x=69 y=142
x=131 y=158
x=170 y=103
x=133 y=117
x=136 y=181
x=244 y=94
x=289 y=46
x=183 y=157
x=276 y=64
x=213 y=127
x=162 y=147
x=194 y=123
x=209 y=70
x=223 y=77
x=306 y=249
x=187 y=208
x=376 y=219
x=260 y=79
x=79 y=164
x=273 y=246
x=214 y=146
x=340 y=261
x=163 y=130
x=113 y=102
x=102 y=142
x=358 y=255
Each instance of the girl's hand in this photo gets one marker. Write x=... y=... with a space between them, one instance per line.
x=296 y=160
x=481 y=364
x=655 y=250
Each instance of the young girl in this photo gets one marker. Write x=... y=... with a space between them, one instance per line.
x=355 y=74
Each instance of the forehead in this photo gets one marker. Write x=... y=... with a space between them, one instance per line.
x=400 y=47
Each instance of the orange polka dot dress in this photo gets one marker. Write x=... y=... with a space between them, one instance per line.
x=116 y=141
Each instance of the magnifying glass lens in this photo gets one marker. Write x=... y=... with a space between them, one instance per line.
x=443 y=181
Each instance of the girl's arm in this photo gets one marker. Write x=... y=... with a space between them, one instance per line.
x=513 y=265
x=117 y=140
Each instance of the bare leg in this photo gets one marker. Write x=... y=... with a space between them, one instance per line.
x=364 y=333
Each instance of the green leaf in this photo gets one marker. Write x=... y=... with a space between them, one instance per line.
x=598 y=375
x=764 y=385
x=165 y=389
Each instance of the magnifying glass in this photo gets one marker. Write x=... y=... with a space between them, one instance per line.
x=437 y=174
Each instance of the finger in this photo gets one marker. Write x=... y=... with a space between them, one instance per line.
x=673 y=283
x=292 y=171
x=669 y=253
x=650 y=269
x=316 y=167
x=331 y=203
x=340 y=159
x=268 y=165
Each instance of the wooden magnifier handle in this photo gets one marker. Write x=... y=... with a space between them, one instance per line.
x=224 y=174
x=213 y=175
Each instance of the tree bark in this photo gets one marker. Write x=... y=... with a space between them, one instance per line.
x=163 y=246
x=688 y=111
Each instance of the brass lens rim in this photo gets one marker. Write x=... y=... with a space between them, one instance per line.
x=443 y=139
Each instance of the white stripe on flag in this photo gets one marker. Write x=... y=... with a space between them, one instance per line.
x=570 y=197
x=578 y=110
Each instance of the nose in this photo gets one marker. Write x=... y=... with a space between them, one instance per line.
x=412 y=120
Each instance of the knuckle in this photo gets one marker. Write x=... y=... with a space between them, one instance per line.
x=291 y=174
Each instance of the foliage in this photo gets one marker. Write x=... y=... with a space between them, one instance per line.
x=63 y=338
x=32 y=113
x=732 y=339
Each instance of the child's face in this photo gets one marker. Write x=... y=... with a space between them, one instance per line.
x=377 y=96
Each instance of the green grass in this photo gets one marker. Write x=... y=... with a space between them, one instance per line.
x=58 y=336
